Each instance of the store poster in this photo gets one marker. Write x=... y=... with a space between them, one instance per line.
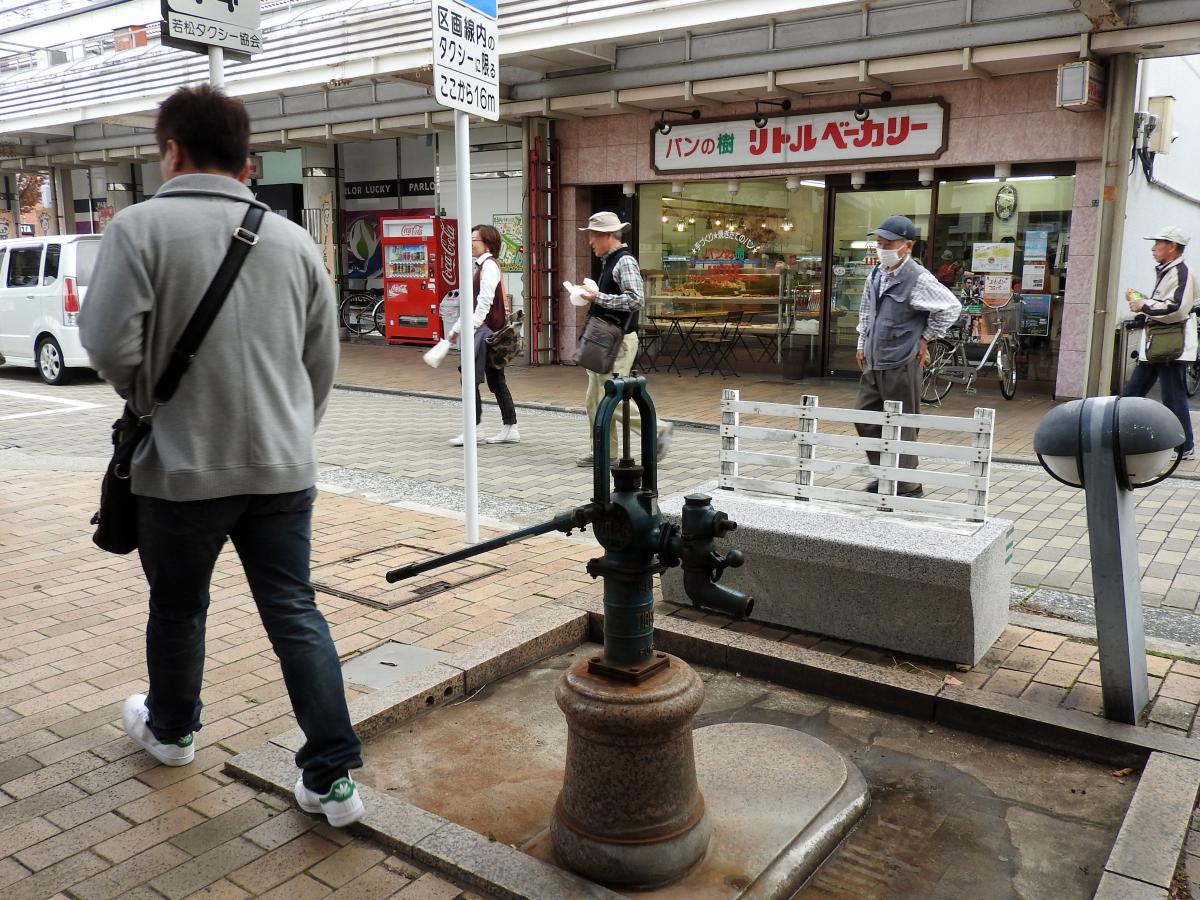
x=1033 y=275
x=1036 y=244
x=512 y=241
x=997 y=288
x=991 y=257
x=1035 y=314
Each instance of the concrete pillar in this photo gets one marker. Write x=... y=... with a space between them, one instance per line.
x=64 y=200
x=320 y=201
x=1118 y=132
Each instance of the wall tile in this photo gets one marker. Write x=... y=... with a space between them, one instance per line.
x=1071 y=374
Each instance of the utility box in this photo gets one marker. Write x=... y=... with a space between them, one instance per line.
x=1160 y=138
x=1080 y=86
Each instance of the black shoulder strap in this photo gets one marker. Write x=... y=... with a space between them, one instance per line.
x=244 y=237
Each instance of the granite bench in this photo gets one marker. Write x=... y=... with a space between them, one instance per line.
x=923 y=576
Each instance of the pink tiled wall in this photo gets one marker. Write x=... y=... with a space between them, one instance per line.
x=1081 y=272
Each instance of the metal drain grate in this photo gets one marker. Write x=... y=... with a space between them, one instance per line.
x=360 y=577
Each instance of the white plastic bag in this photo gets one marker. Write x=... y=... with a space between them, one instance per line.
x=576 y=291
x=434 y=355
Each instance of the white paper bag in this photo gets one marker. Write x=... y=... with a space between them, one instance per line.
x=435 y=354
x=576 y=291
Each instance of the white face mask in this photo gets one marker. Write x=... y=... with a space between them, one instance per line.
x=889 y=258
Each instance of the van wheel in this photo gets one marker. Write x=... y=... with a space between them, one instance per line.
x=50 y=362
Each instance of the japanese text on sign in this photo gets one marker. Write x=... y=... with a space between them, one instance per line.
x=231 y=24
x=895 y=131
x=466 y=57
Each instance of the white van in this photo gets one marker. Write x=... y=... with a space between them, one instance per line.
x=43 y=281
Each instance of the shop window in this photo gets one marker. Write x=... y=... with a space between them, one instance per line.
x=710 y=255
x=1003 y=245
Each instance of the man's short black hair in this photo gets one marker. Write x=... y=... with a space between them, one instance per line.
x=213 y=130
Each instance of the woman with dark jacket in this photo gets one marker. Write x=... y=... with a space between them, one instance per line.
x=488 y=291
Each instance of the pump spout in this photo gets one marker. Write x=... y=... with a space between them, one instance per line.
x=717 y=597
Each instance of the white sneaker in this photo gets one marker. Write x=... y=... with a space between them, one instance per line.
x=506 y=435
x=341 y=806
x=134 y=716
x=458 y=441
x=665 y=432
x=1188 y=454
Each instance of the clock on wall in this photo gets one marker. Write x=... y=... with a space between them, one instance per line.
x=1006 y=202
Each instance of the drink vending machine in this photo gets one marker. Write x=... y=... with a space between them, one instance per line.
x=420 y=266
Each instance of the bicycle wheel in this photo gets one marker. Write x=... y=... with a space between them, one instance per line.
x=935 y=385
x=1006 y=368
x=356 y=313
x=377 y=315
x=1193 y=378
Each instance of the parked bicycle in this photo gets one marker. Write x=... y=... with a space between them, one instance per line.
x=361 y=312
x=948 y=363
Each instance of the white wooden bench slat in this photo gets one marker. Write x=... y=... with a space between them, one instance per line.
x=920 y=448
x=894 y=473
x=870 y=417
x=761 y=459
x=782 y=488
x=885 y=502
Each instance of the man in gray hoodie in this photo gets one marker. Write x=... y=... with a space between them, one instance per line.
x=232 y=454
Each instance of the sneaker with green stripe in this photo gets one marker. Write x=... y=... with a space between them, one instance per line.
x=340 y=806
x=135 y=718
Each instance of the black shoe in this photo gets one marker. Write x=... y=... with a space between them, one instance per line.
x=872 y=487
x=918 y=491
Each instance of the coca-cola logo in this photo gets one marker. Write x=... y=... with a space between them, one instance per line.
x=410 y=231
x=449 y=241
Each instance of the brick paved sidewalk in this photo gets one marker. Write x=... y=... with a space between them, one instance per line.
x=85 y=814
x=690 y=398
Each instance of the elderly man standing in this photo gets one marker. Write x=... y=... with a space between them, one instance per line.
x=1172 y=302
x=903 y=308
x=619 y=298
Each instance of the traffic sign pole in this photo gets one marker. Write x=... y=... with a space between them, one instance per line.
x=216 y=66
x=466 y=330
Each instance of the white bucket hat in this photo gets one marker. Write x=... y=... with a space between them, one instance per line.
x=1172 y=234
x=605 y=221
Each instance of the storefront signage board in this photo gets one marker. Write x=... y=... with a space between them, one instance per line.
x=891 y=132
x=466 y=56
x=988 y=257
x=365 y=190
x=234 y=25
x=416 y=187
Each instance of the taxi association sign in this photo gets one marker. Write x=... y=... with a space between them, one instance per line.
x=466 y=56
x=233 y=25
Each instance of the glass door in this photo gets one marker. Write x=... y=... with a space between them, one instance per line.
x=853 y=255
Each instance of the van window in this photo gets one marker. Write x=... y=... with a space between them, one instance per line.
x=50 y=272
x=24 y=264
x=85 y=260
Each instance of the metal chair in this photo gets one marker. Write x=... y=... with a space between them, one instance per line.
x=719 y=347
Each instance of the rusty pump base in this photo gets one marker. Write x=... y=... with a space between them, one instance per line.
x=630 y=812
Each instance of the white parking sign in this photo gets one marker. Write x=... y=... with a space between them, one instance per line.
x=466 y=56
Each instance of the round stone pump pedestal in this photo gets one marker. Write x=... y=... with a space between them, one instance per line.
x=630 y=813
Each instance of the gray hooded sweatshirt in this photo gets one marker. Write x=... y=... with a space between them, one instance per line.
x=243 y=418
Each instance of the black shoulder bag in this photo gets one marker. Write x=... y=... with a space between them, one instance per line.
x=116 y=519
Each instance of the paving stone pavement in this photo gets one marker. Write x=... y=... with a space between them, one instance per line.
x=83 y=813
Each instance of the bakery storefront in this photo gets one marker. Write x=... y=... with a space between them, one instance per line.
x=764 y=225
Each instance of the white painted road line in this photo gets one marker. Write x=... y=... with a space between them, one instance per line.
x=65 y=405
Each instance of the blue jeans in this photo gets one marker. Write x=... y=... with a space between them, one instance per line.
x=1174 y=392
x=179 y=543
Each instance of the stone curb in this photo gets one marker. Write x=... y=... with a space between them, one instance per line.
x=1152 y=835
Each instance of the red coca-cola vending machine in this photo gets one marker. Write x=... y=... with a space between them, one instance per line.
x=420 y=265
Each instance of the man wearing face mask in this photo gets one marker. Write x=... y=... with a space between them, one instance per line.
x=904 y=307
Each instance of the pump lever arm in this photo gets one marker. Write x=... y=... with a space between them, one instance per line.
x=565 y=522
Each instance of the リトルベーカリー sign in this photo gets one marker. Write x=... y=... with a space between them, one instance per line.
x=891 y=132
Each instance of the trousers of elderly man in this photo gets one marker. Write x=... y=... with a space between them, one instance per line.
x=903 y=384
x=622 y=365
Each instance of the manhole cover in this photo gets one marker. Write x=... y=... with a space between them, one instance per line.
x=388 y=663
x=360 y=577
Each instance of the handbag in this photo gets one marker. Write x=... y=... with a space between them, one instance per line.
x=116 y=519
x=1164 y=342
x=508 y=343
x=600 y=344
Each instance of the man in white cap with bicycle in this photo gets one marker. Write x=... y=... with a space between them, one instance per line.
x=1167 y=342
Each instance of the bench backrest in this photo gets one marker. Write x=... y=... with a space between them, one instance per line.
x=808 y=453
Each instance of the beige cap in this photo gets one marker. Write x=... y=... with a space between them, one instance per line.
x=605 y=221
x=1172 y=234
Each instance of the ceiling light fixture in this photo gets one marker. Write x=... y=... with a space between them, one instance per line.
x=664 y=127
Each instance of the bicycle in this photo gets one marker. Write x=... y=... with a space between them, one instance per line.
x=948 y=363
x=361 y=312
